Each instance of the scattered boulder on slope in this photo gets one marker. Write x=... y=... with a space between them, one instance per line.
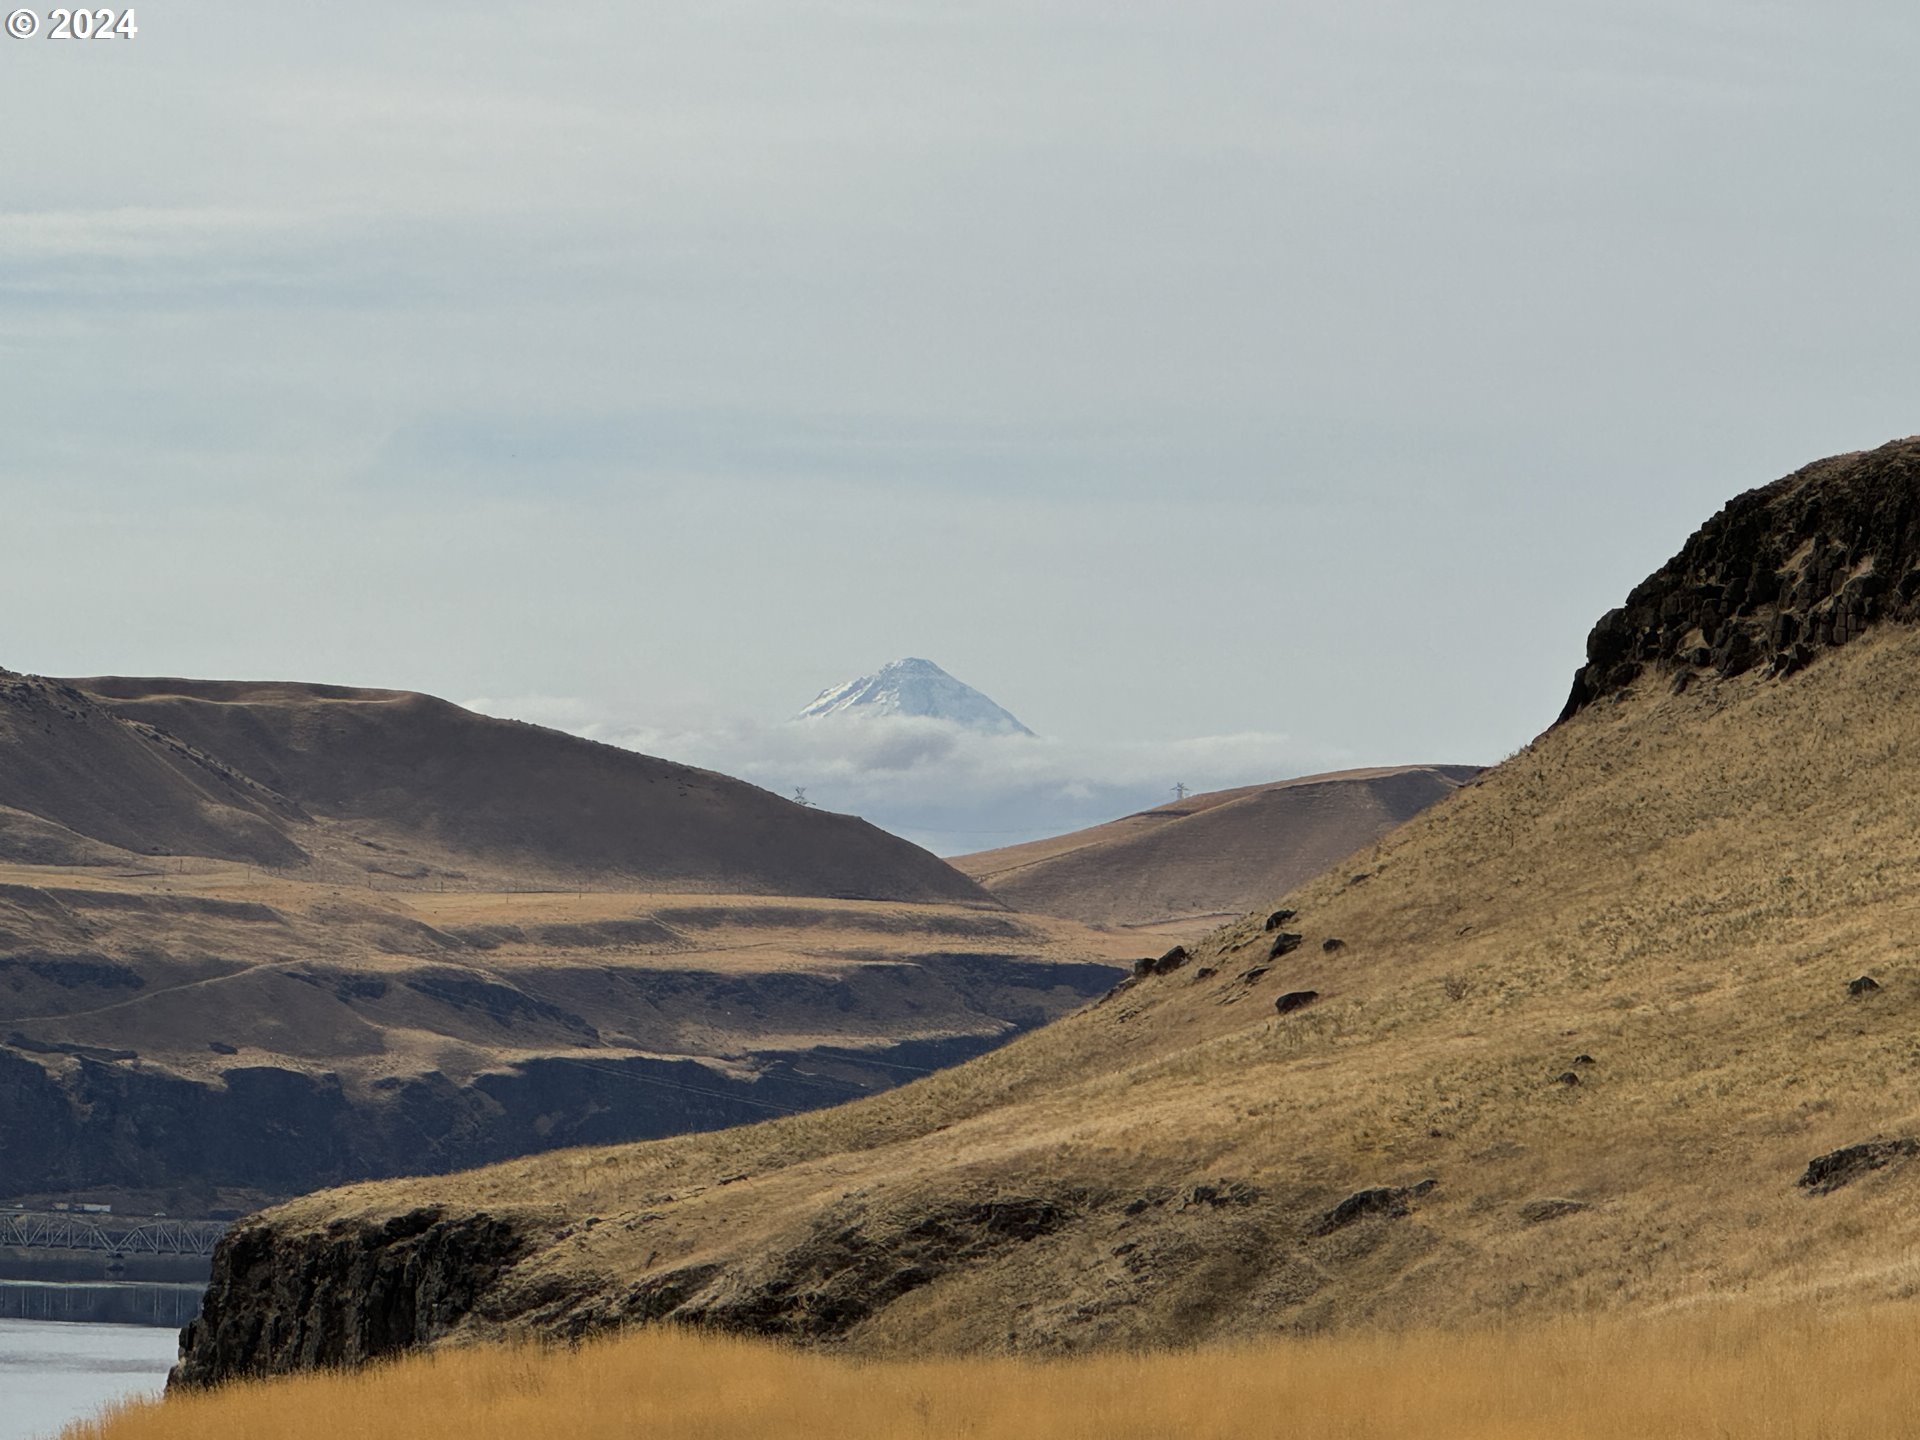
x=1219 y=1192
x=1161 y=964
x=1390 y=1201
x=1827 y=1173
x=1538 y=1212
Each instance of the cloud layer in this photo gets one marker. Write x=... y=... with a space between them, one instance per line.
x=932 y=782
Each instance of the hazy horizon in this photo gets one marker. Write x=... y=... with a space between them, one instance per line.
x=1270 y=388
x=943 y=786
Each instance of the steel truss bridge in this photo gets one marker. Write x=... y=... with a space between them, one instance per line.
x=105 y=1234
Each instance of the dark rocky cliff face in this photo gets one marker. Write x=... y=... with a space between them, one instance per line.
x=1778 y=575
x=161 y=1042
x=358 y=1291
x=289 y=1295
x=280 y=1132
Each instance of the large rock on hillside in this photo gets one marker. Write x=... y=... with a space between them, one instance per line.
x=1781 y=573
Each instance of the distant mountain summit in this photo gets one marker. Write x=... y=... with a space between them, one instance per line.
x=915 y=687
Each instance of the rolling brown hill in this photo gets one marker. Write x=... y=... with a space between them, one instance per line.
x=390 y=782
x=82 y=786
x=1199 y=861
x=1583 y=1039
x=256 y=938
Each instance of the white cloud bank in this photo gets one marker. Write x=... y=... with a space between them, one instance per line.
x=943 y=787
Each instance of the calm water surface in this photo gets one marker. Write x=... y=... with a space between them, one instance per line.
x=52 y=1373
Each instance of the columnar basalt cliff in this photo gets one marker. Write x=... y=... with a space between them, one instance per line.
x=352 y=1294
x=1781 y=573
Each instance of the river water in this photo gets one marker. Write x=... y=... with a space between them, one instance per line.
x=53 y=1373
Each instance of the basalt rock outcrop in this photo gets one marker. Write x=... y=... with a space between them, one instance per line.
x=350 y=1294
x=1826 y=1173
x=1391 y=1201
x=1779 y=575
x=590 y=1046
x=289 y=1294
x=272 y=1131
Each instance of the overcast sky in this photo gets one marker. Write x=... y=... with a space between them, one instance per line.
x=1312 y=374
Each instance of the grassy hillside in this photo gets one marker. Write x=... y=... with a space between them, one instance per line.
x=1564 y=1043
x=1679 y=887
x=80 y=786
x=1196 y=862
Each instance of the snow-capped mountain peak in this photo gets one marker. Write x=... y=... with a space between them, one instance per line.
x=918 y=688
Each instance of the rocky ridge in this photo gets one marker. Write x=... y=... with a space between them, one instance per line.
x=1782 y=573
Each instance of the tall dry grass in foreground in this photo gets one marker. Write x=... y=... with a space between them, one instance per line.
x=1744 y=1373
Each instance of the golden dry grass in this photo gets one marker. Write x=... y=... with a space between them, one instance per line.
x=1722 y=1371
